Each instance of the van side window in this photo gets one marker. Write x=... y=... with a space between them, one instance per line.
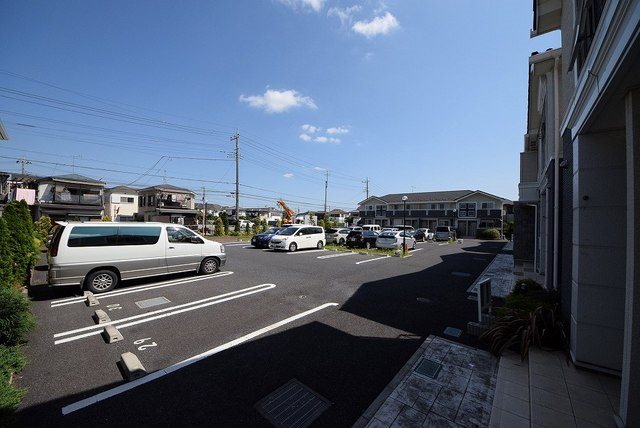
x=178 y=234
x=316 y=230
x=138 y=235
x=91 y=236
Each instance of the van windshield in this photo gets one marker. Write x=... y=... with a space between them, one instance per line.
x=289 y=231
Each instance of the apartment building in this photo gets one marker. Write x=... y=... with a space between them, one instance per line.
x=465 y=210
x=579 y=193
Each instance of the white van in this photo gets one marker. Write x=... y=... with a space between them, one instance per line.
x=99 y=255
x=372 y=227
x=298 y=236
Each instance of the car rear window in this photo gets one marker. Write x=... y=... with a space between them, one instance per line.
x=91 y=236
x=369 y=233
x=442 y=229
x=331 y=230
x=354 y=233
x=387 y=234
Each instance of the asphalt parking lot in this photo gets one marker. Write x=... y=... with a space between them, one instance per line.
x=342 y=324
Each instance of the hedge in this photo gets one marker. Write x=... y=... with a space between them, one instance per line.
x=490 y=233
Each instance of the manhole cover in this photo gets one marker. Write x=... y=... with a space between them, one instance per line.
x=428 y=368
x=292 y=405
x=451 y=331
x=142 y=304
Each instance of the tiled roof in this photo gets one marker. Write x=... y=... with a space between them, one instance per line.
x=167 y=188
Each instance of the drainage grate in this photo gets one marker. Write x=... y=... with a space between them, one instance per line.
x=292 y=405
x=428 y=368
x=450 y=331
x=143 y=304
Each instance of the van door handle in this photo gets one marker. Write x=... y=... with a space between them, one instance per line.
x=172 y=248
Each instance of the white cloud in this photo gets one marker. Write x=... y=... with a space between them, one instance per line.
x=274 y=101
x=317 y=168
x=288 y=175
x=338 y=130
x=315 y=5
x=344 y=14
x=304 y=137
x=310 y=129
x=324 y=139
x=368 y=56
x=378 y=25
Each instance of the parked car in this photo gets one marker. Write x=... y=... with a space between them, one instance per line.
x=356 y=228
x=372 y=227
x=403 y=227
x=261 y=240
x=391 y=240
x=444 y=233
x=101 y=254
x=362 y=239
x=298 y=236
x=389 y=229
x=423 y=234
x=339 y=236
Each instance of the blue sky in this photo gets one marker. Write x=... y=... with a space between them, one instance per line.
x=416 y=95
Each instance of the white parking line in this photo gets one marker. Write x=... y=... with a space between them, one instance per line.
x=372 y=260
x=235 y=244
x=248 y=246
x=344 y=253
x=417 y=249
x=182 y=364
x=166 y=312
x=443 y=243
x=305 y=252
x=80 y=299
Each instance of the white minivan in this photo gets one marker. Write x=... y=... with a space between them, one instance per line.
x=372 y=227
x=101 y=254
x=298 y=236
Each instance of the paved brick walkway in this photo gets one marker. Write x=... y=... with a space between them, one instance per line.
x=501 y=273
x=460 y=395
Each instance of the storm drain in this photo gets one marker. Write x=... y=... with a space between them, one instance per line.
x=451 y=331
x=428 y=368
x=143 y=304
x=292 y=405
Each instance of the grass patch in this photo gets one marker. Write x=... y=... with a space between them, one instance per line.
x=11 y=361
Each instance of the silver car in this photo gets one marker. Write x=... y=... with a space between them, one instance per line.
x=338 y=236
x=444 y=233
x=394 y=239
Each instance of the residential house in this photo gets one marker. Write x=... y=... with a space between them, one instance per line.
x=465 y=210
x=231 y=212
x=121 y=203
x=336 y=215
x=167 y=204
x=307 y=217
x=578 y=214
x=61 y=197
x=212 y=209
x=272 y=215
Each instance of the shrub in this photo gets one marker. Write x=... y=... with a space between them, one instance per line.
x=526 y=285
x=21 y=235
x=42 y=228
x=528 y=318
x=219 y=227
x=11 y=361
x=6 y=259
x=489 y=234
x=16 y=320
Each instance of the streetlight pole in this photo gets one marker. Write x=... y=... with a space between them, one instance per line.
x=404 y=221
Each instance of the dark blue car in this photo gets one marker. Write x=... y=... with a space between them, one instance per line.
x=261 y=240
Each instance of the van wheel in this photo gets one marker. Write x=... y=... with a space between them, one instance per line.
x=341 y=242
x=414 y=245
x=320 y=245
x=102 y=281
x=293 y=247
x=209 y=265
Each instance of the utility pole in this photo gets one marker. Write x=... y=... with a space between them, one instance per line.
x=366 y=186
x=24 y=163
x=204 y=212
x=326 y=185
x=237 y=140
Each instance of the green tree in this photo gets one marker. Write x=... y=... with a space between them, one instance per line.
x=22 y=243
x=225 y=221
x=42 y=227
x=219 y=227
x=6 y=259
x=265 y=225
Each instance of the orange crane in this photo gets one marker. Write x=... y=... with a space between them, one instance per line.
x=288 y=212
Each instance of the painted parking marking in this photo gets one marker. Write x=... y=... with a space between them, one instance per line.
x=143 y=346
x=184 y=363
x=417 y=249
x=341 y=254
x=160 y=313
x=138 y=289
x=305 y=252
x=237 y=244
x=372 y=260
x=444 y=243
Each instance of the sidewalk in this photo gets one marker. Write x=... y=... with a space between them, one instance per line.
x=500 y=270
x=444 y=384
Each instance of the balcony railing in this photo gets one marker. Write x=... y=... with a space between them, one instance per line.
x=173 y=204
x=489 y=213
x=80 y=199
